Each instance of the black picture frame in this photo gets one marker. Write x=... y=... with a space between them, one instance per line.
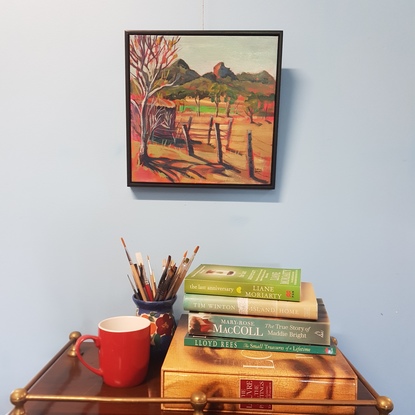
x=202 y=108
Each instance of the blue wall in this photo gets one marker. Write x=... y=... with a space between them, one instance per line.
x=343 y=208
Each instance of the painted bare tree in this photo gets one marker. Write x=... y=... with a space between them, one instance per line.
x=150 y=56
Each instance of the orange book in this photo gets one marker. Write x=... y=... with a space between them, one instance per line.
x=256 y=374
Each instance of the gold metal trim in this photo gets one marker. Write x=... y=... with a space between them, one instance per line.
x=198 y=400
x=73 y=337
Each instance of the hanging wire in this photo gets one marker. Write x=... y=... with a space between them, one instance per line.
x=203 y=14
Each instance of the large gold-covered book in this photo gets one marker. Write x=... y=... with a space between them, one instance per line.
x=255 y=374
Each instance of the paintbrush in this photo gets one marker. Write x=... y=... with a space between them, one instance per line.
x=176 y=277
x=162 y=281
x=135 y=273
x=183 y=273
x=145 y=281
x=152 y=279
x=132 y=286
x=168 y=281
x=192 y=257
x=178 y=280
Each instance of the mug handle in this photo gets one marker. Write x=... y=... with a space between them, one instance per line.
x=97 y=342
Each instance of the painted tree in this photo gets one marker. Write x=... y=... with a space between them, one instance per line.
x=199 y=89
x=253 y=105
x=230 y=97
x=150 y=56
x=196 y=89
x=216 y=92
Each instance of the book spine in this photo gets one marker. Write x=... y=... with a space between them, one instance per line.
x=249 y=306
x=242 y=289
x=267 y=346
x=259 y=328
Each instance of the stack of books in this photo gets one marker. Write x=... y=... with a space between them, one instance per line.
x=258 y=333
x=251 y=306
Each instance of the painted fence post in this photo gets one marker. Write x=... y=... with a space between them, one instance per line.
x=188 y=140
x=218 y=143
x=228 y=134
x=250 y=153
x=210 y=129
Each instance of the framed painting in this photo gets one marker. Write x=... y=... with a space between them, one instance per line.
x=202 y=108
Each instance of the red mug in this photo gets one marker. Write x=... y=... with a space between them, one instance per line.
x=124 y=350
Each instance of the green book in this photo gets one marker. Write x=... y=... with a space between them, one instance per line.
x=265 y=346
x=249 y=282
x=263 y=328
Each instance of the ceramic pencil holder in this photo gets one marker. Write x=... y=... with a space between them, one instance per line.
x=162 y=323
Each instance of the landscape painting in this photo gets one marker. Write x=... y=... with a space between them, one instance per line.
x=202 y=108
